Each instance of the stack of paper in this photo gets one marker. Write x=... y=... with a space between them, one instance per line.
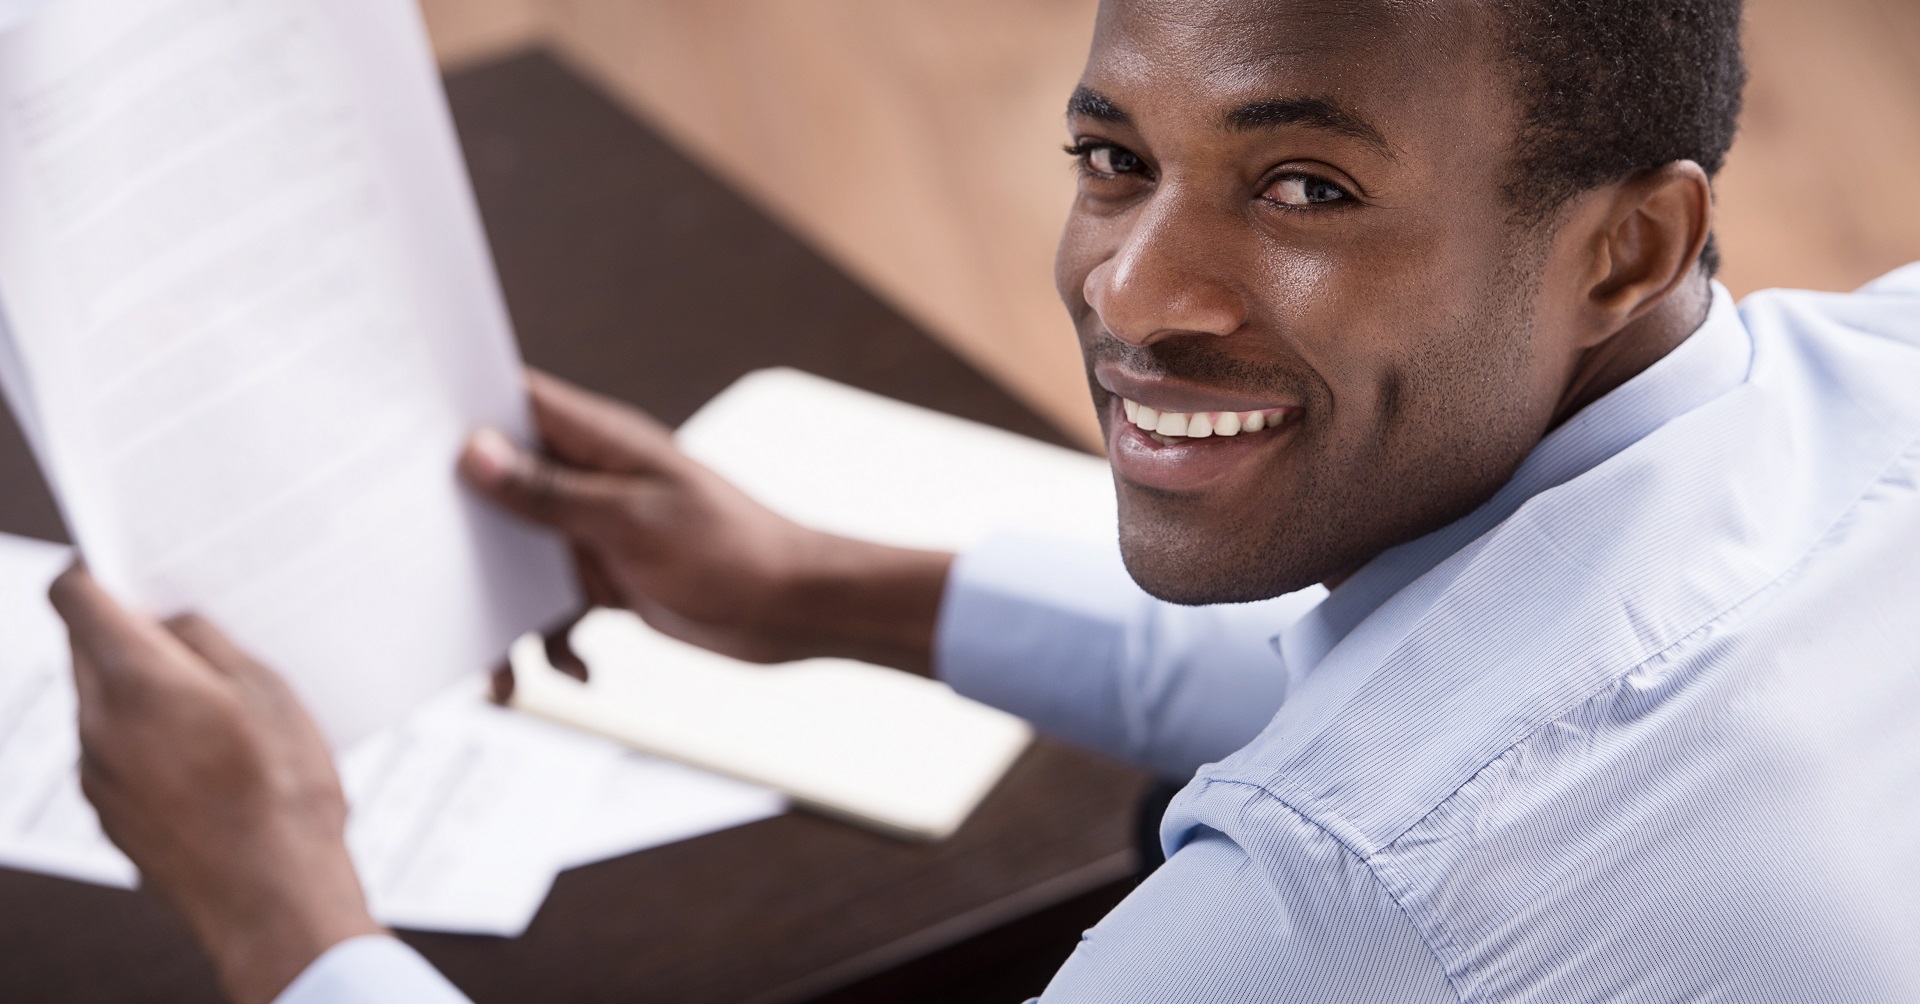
x=899 y=753
x=252 y=318
x=461 y=815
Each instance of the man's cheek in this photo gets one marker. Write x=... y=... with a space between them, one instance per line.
x=1073 y=262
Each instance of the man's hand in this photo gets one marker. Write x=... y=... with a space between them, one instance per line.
x=208 y=773
x=659 y=534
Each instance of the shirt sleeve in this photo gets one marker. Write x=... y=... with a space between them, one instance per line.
x=1308 y=924
x=1058 y=633
x=372 y=969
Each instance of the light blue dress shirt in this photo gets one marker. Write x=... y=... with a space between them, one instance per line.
x=1644 y=727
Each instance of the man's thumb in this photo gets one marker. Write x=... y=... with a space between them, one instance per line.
x=535 y=487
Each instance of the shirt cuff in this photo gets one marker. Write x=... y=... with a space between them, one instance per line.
x=1058 y=633
x=1038 y=627
x=370 y=969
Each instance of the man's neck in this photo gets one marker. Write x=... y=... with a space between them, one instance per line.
x=1631 y=350
x=1643 y=342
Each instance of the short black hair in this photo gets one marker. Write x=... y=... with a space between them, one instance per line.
x=1611 y=88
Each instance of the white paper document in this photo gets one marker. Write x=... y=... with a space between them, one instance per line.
x=459 y=818
x=252 y=319
x=45 y=824
x=895 y=752
x=13 y=12
x=462 y=815
x=646 y=801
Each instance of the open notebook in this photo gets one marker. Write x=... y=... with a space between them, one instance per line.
x=895 y=752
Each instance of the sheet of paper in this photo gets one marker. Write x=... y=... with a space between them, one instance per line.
x=254 y=311
x=14 y=12
x=461 y=815
x=647 y=801
x=45 y=824
x=893 y=472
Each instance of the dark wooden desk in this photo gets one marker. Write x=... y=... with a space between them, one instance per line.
x=628 y=269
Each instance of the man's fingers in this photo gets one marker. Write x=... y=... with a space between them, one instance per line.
x=594 y=580
x=98 y=787
x=120 y=646
x=213 y=645
x=93 y=717
x=598 y=433
x=545 y=491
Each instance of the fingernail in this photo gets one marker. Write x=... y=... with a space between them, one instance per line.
x=491 y=455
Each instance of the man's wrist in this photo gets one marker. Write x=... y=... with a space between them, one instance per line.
x=258 y=949
x=255 y=966
x=860 y=600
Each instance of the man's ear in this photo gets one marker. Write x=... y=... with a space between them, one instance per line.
x=1646 y=240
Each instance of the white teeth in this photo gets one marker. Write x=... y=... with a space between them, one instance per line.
x=1200 y=425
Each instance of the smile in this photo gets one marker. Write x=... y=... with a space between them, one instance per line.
x=1193 y=451
x=1200 y=424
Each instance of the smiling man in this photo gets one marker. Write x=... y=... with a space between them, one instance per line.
x=1611 y=698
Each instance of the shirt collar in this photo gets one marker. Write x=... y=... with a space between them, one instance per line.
x=1712 y=361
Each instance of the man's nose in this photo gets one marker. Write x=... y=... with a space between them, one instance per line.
x=1168 y=278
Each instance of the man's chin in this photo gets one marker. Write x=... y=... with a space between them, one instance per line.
x=1193 y=569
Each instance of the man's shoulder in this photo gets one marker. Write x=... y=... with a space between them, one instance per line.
x=1610 y=572
x=1669 y=693
x=1733 y=813
x=1734 y=816
x=1674 y=687
x=1887 y=307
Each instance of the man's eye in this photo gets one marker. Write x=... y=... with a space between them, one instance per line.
x=1101 y=158
x=1305 y=190
x=1112 y=160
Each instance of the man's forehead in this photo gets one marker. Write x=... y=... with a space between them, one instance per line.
x=1371 y=69
x=1245 y=45
x=1274 y=22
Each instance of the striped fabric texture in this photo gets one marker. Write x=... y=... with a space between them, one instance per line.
x=1646 y=727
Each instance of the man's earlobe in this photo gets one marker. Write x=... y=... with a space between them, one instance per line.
x=1657 y=225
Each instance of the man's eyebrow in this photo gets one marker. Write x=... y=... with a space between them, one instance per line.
x=1089 y=103
x=1316 y=113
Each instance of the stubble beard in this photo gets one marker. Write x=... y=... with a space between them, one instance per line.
x=1454 y=428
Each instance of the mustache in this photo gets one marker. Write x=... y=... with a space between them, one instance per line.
x=1197 y=360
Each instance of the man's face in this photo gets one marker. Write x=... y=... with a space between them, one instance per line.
x=1291 y=213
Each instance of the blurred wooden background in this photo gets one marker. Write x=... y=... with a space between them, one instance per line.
x=917 y=143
